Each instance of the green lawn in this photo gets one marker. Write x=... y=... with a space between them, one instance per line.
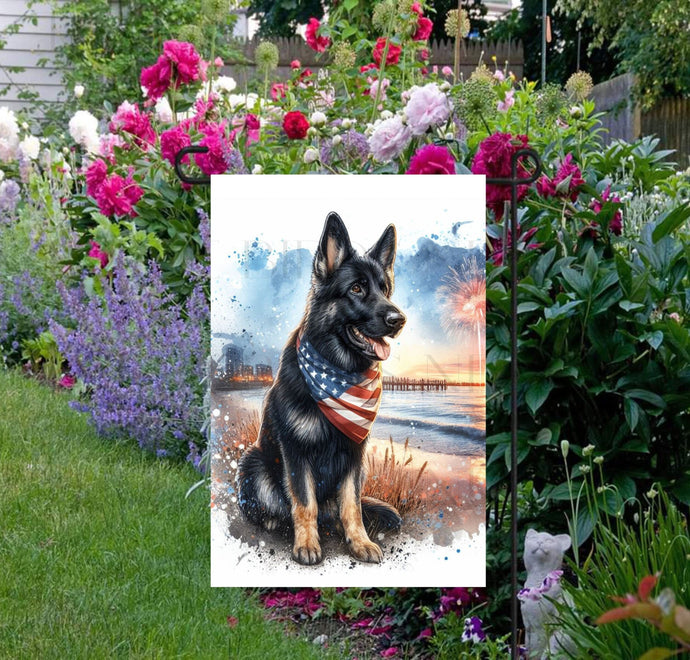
x=101 y=556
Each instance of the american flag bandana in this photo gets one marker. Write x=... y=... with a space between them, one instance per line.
x=349 y=400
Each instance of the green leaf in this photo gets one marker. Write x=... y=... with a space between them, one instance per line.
x=585 y=525
x=657 y=653
x=632 y=413
x=681 y=489
x=628 y=305
x=542 y=438
x=591 y=264
x=649 y=397
x=670 y=221
x=537 y=393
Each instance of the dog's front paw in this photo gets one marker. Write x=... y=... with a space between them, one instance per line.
x=365 y=550
x=307 y=554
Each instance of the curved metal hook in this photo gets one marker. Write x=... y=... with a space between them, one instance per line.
x=530 y=154
x=202 y=180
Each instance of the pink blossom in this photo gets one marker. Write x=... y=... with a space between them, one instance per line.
x=186 y=60
x=117 y=196
x=389 y=652
x=295 y=64
x=416 y=8
x=67 y=381
x=278 y=91
x=129 y=119
x=616 y=224
x=214 y=161
x=172 y=141
x=426 y=633
x=566 y=183
x=428 y=106
x=498 y=75
x=389 y=138
x=315 y=42
x=385 y=84
x=96 y=174
x=508 y=101
x=218 y=62
x=96 y=253
x=424 y=28
x=107 y=144
x=431 y=159
x=156 y=78
x=447 y=71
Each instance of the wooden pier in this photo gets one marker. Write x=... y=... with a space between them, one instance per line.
x=410 y=384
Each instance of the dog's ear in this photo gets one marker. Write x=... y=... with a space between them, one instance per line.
x=383 y=250
x=334 y=246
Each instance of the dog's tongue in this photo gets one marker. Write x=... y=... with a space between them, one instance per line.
x=383 y=350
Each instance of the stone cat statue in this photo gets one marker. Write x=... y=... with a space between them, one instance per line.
x=543 y=558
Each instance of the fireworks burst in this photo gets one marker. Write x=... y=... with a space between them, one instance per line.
x=463 y=299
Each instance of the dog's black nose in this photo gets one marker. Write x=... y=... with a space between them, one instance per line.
x=395 y=320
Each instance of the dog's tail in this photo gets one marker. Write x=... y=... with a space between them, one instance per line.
x=378 y=516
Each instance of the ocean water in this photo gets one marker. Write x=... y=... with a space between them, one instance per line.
x=450 y=422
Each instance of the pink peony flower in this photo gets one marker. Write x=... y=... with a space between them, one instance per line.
x=508 y=101
x=186 y=60
x=428 y=106
x=385 y=84
x=219 y=146
x=107 y=144
x=295 y=125
x=96 y=253
x=172 y=141
x=295 y=64
x=129 y=119
x=566 y=183
x=117 y=196
x=278 y=91
x=493 y=159
x=319 y=44
x=616 y=224
x=67 y=381
x=156 y=78
x=389 y=139
x=393 y=56
x=431 y=159
x=447 y=71
x=96 y=174
x=424 y=28
x=416 y=8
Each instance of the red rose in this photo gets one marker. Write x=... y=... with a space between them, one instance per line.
x=295 y=125
x=393 y=51
x=424 y=28
x=431 y=159
x=319 y=44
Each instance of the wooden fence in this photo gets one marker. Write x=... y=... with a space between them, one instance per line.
x=669 y=119
x=295 y=48
x=407 y=384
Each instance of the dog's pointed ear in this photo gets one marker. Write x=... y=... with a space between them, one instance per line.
x=383 y=250
x=334 y=247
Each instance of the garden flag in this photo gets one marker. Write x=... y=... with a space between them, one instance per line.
x=347 y=385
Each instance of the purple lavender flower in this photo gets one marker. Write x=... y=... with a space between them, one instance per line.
x=204 y=229
x=235 y=162
x=141 y=355
x=473 y=630
x=9 y=198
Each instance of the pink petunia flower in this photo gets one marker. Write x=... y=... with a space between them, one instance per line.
x=431 y=159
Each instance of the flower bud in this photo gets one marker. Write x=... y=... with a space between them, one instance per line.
x=311 y=155
x=599 y=460
x=337 y=139
x=586 y=451
x=565 y=447
x=257 y=169
x=317 y=118
x=79 y=91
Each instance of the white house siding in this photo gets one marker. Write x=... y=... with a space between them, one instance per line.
x=26 y=49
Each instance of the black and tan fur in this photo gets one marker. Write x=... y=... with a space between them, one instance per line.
x=302 y=469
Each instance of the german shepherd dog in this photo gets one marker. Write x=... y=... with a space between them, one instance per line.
x=308 y=462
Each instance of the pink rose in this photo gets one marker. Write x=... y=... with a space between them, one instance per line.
x=428 y=106
x=319 y=44
x=172 y=141
x=431 y=159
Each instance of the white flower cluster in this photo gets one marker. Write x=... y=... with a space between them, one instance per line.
x=83 y=127
x=9 y=135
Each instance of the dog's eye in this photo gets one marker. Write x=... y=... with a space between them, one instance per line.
x=356 y=288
